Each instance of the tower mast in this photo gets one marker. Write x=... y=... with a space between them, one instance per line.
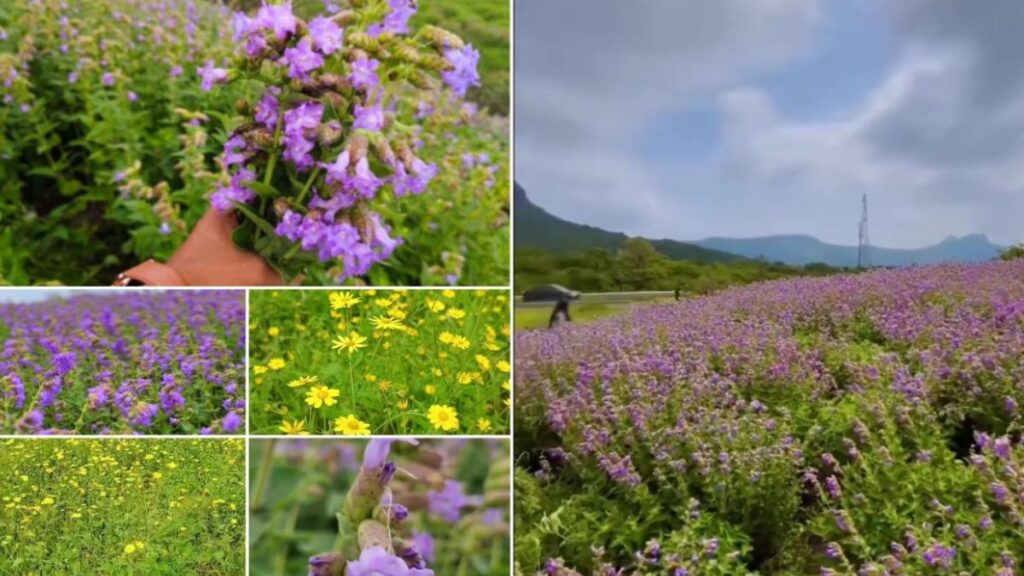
x=864 y=242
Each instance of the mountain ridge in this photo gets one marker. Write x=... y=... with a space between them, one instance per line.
x=535 y=227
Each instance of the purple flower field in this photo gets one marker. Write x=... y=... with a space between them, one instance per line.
x=124 y=363
x=857 y=424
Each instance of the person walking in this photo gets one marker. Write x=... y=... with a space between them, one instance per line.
x=560 y=315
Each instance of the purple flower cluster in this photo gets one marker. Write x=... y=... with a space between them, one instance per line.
x=151 y=362
x=845 y=392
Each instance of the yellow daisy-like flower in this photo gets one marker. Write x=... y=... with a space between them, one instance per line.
x=446 y=338
x=460 y=342
x=157 y=475
x=351 y=426
x=483 y=424
x=354 y=341
x=464 y=378
x=343 y=300
x=403 y=404
x=443 y=417
x=483 y=362
x=507 y=385
x=303 y=380
x=76 y=515
x=503 y=366
x=294 y=428
x=257 y=369
x=384 y=385
x=456 y=313
x=47 y=501
x=430 y=390
x=449 y=294
x=385 y=323
x=319 y=396
x=274 y=331
x=276 y=363
x=129 y=549
x=370 y=377
x=435 y=305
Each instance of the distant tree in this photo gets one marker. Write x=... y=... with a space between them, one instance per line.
x=1013 y=252
x=639 y=266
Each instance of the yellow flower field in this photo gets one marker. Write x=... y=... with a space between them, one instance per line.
x=127 y=507
x=364 y=362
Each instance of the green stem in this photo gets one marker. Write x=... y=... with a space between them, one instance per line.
x=309 y=184
x=263 y=479
x=281 y=558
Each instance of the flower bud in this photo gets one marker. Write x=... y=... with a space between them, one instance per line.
x=364 y=41
x=406 y=53
x=441 y=38
x=357 y=148
x=373 y=533
x=329 y=133
x=421 y=80
x=242 y=106
x=327 y=564
x=382 y=150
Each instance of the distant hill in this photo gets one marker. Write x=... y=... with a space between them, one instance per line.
x=535 y=227
x=799 y=250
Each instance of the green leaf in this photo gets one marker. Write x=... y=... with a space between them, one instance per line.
x=261 y=188
x=259 y=222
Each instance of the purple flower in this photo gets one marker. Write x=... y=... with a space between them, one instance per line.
x=107 y=79
x=300 y=124
x=364 y=181
x=364 y=74
x=999 y=492
x=225 y=197
x=177 y=71
x=132 y=96
x=377 y=451
x=327 y=36
x=369 y=118
x=424 y=544
x=447 y=502
x=1001 y=448
x=326 y=564
x=301 y=60
x=267 y=109
x=939 y=555
x=231 y=422
x=73 y=77
x=211 y=75
x=397 y=19
x=278 y=18
x=375 y=561
x=462 y=74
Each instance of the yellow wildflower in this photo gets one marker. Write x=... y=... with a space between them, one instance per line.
x=319 y=396
x=443 y=417
x=351 y=426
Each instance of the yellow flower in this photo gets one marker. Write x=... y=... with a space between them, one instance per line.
x=129 y=549
x=456 y=313
x=449 y=294
x=342 y=300
x=172 y=465
x=157 y=475
x=443 y=417
x=483 y=362
x=464 y=378
x=322 y=395
x=460 y=342
x=259 y=369
x=403 y=404
x=385 y=323
x=435 y=305
x=446 y=338
x=384 y=385
x=370 y=377
x=303 y=380
x=276 y=363
x=75 y=515
x=47 y=501
x=430 y=390
x=274 y=331
x=354 y=341
x=483 y=424
x=503 y=366
x=293 y=428
x=351 y=426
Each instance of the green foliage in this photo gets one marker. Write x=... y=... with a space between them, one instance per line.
x=1013 y=252
x=638 y=266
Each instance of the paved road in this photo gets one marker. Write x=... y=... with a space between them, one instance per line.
x=602 y=298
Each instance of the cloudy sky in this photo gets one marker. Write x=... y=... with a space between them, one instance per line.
x=695 y=118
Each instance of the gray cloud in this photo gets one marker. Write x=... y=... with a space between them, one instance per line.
x=938 y=144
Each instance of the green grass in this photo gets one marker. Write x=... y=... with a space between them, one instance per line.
x=530 y=318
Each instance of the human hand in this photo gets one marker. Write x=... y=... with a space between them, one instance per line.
x=208 y=257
